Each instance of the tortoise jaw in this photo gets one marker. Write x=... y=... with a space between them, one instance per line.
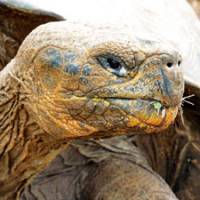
x=124 y=115
x=150 y=112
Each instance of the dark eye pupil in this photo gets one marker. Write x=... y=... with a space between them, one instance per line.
x=114 y=64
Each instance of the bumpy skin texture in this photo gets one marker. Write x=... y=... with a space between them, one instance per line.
x=80 y=80
x=125 y=167
x=69 y=76
x=119 y=168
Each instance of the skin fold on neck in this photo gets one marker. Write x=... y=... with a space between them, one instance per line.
x=25 y=148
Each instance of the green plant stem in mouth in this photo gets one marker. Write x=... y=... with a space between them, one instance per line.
x=146 y=111
x=157 y=105
x=150 y=112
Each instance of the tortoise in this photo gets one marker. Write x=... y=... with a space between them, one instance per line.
x=80 y=78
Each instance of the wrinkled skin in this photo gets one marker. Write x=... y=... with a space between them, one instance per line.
x=144 y=92
x=80 y=81
x=114 y=168
x=107 y=169
x=104 y=169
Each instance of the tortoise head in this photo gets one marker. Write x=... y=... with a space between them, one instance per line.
x=87 y=80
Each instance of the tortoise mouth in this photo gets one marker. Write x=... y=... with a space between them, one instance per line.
x=156 y=103
x=110 y=114
x=148 y=111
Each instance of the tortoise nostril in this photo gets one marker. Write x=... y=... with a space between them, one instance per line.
x=169 y=64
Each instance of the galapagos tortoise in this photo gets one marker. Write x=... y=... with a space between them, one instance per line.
x=130 y=67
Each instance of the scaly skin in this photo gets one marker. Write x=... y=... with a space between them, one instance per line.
x=59 y=87
x=126 y=167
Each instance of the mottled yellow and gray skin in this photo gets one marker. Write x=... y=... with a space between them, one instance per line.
x=66 y=71
x=70 y=80
x=134 y=167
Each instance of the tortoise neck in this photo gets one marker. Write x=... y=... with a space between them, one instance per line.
x=25 y=148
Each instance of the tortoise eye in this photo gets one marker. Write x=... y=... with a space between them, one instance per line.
x=113 y=64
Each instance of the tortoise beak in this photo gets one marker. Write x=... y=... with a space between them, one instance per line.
x=172 y=85
x=152 y=96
